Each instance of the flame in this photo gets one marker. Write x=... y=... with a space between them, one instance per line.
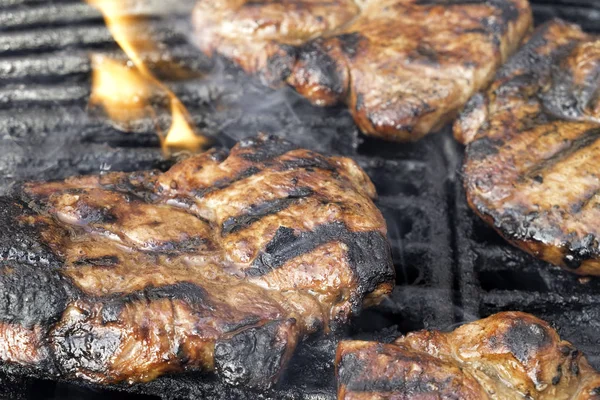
x=120 y=89
x=125 y=91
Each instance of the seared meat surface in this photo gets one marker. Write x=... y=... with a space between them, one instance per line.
x=531 y=166
x=507 y=356
x=222 y=263
x=403 y=67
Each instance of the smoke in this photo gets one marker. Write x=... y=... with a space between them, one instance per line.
x=239 y=106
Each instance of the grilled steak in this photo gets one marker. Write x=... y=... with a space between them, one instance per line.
x=510 y=355
x=222 y=263
x=403 y=67
x=533 y=138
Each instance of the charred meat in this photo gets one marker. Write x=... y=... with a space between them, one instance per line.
x=510 y=355
x=223 y=263
x=403 y=67
x=531 y=167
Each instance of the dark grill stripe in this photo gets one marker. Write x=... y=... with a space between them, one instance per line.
x=264 y=150
x=225 y=183
x=368 y=252
x=194 y=295
x=586 y=139
x=356 y=373
x=299 y=163
x=579 y=206
x=104 y=261
x=258 y=211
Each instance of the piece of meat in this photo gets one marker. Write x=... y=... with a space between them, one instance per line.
x=222 y=263
x=510 y=355
x=403 y=67
x=530 y=167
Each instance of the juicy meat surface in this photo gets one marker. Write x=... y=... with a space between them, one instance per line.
x=223 y=263
x=531 y=167
x=403 y=67
x=507 y=356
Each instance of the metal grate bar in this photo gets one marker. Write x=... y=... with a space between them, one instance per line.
x=51 y=14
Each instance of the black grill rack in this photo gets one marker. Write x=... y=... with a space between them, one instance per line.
x=450 y=266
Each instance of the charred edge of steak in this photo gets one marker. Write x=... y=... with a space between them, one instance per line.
x=567 y=99
x=528 y=62
x=368 y=252
x=32 y=295
x=19 y=241
x=314 y=57
x=279 y=65
x=254 y=356
x=32 y=291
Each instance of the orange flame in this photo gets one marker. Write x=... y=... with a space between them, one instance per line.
x=125 y=91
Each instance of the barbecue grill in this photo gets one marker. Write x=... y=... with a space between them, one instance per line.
x=450 y=266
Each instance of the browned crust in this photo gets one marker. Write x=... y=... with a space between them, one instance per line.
x=531 y=166
x=506 y=356
x=223 y=263
x=403 y=67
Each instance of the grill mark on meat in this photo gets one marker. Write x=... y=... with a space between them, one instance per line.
x=104 y=261
x=586 y=139
x=575 y=164
x=257 y=211
x=250 y=321
x=186 y=245
x=224 y=183
x=307 y=163
x=286 y=245
x=352 y=370
x=192 y=294
x=368 y=252
x=282 y=165
x=579 y=206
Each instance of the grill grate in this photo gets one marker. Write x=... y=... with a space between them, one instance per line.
x=450 y=266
